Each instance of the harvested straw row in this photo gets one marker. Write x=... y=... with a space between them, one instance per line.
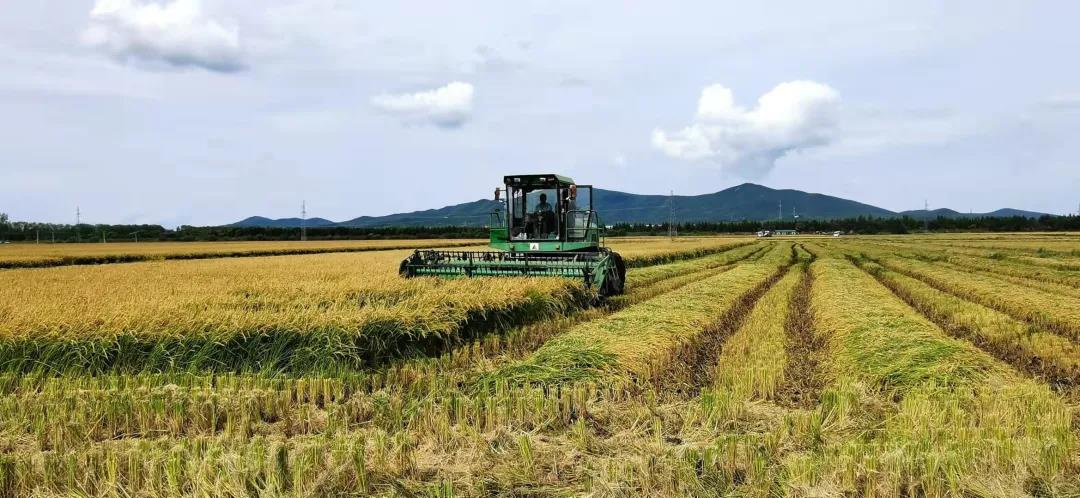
x=637 y=340
x=946 y=418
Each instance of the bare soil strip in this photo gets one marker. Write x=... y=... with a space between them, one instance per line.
x=802 y=377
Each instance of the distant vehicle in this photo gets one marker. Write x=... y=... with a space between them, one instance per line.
x=764 y=233
x=836 y=233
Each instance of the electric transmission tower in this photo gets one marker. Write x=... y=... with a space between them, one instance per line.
x=926 y=218
x=303 y=220
x=671 y=230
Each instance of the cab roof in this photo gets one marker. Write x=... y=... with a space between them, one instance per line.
x=537 y=180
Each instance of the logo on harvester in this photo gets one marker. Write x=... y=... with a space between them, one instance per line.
x=534 y=246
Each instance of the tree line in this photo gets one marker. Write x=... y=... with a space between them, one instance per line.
x=20 y=231
x=864 y=225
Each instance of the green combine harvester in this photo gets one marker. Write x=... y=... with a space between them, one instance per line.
x=546 y=227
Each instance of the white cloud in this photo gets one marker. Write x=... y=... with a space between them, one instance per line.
x=792 y=116
x=176 y=33
x=447 y=107
x=867 y=130
x=1063 y=102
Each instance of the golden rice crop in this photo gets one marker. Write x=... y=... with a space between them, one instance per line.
x=1057 y=312
x=39 y=255
x=646 y=251
x=753 y=360
x=293 y=312
x=906 y=410
x=1024 y=345
x=640 y=340
x=963 y=423
x=1015 y=269
x=299 y=312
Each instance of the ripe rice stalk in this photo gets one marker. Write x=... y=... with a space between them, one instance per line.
x=650 y=252
x=959 y=417
x=1048 y=356
x=994 y=264
x=636 y=340
x=752 y=364
x=48 y=255
x=1054 y=312
x=280 y=317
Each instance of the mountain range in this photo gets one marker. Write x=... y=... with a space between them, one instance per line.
x=742 y=202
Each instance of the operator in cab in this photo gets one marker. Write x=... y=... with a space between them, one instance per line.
x=545 y=218
x=543 y=206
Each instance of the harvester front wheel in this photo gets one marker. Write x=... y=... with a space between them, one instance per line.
x=615 y=283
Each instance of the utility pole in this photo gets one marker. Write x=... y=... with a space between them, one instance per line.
x=671 y=231
x=303 y=220
x=78 y=219
x=37 y=235
x=780 y=211
x=926 y=219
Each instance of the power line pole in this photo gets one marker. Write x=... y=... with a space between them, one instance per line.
x=78 y=219
x=780 y=211
x=926 y=218
x=303 y=220
x=671 y=231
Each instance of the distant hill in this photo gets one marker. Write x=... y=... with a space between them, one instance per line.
x=742 y=202
x=921 y=214
x=469 y=213
x=260 y=221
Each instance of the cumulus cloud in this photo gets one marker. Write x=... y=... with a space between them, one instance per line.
x=792 y=116
x=447 y=107
x=177 y=33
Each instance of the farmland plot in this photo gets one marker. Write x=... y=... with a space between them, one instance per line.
x=43 y=255
x=296 y=313
x=801 y=367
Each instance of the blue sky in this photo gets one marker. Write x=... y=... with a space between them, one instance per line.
x=205 y=112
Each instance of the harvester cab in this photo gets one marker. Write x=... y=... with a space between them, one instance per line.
x=545 y=226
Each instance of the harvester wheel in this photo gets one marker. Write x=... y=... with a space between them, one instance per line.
x=615 y=283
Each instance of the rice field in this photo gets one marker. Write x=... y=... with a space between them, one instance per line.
x=941 y=365
x=27 y=255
